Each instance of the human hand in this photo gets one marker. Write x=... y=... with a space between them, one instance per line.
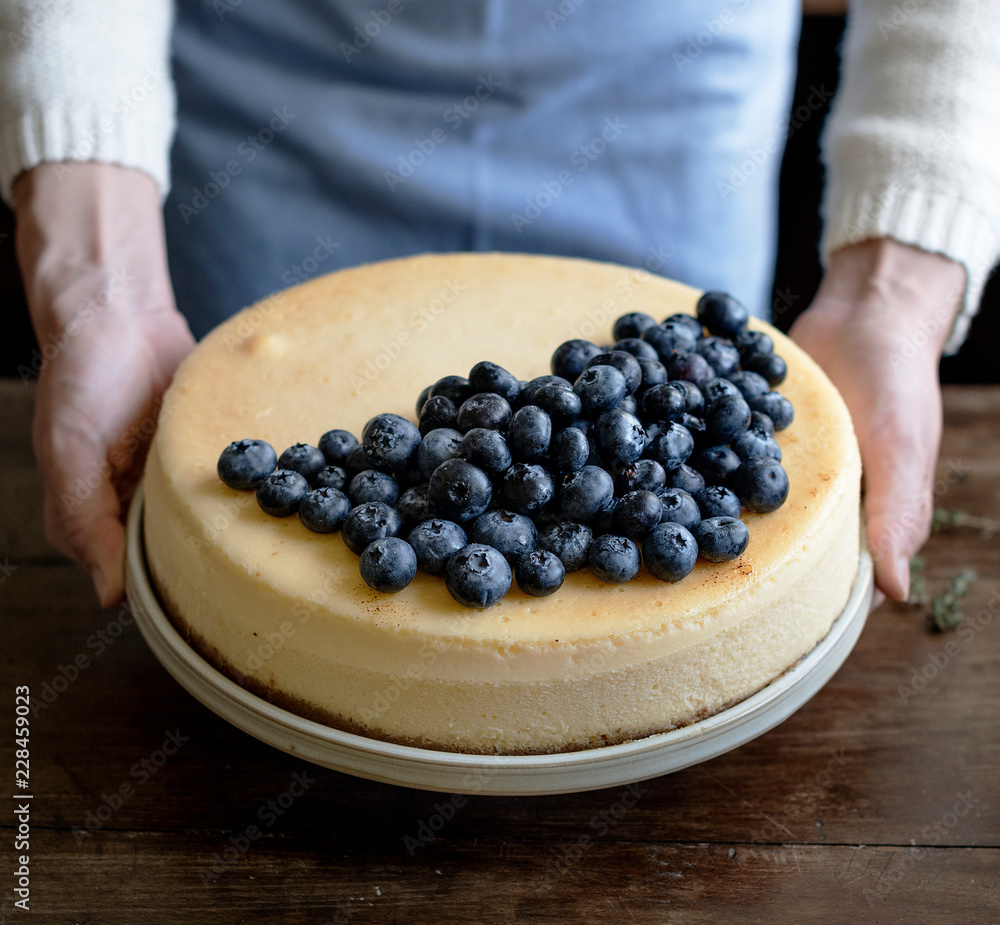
x=877 y=327
x=92 y=254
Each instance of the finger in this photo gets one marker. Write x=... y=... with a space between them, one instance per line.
x=82 y=511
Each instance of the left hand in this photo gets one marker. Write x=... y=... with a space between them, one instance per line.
x=877 y=327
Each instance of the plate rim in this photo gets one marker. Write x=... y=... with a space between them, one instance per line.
x=501 y=775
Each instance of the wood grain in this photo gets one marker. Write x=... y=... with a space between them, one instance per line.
x=877 y=801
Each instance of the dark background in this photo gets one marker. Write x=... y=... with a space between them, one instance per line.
x=797 y=272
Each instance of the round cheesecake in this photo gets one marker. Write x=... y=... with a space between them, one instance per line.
x=285 y=612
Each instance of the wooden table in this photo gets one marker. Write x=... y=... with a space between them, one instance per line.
x=877 y=802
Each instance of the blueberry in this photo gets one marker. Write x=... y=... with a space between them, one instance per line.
x=330 y=477
x=570 y=450
x=776 y=407
x=614 y=558
x=754 y=442
x=561 y=403
x=390 y=442
x=603 y=521
x=726 y=418
x=459 y=490
x=489 y=377
x=438 y=411
x=716 y=464
x=665 y=402
x=722 y=356
x=642 y=475
x=672 y=447
x=323 y=510
x=369 y=522
x=569 y=541
x=631 y=325
x=761 y=484
x=717 y=388
x=679 y=507
x=670 y=338
x=760 y=421
x=244 y=464
x=686 y=321
x=454 y=387
x=436 y=447
x=422 y=399
x=484 y=409
x=570 y=359
x=389 y=564
x=670 y=551
x=527 y=487
x=513 y=534
x=414 y=506
x=769 y=365
x=600 y=388
x=692 y=367
x=694 y=399
x=477 y=576
x=695 y=426
x=717 y=501
x=540 y=573
x=685 y=478
x=434 y=541
x=629 y=405
x=281 y=492
x=721 y=538
x=636 y=513
x=373 y=485
x=625 y=363
x=722 y=314
x=336 y=444
x=585 y=493
x=486 y=449
x=653 y=373
x=619 y=437
x=640 y=349
x=531 y=387
x=750 y=384
x=410 y=476
x=303 y=458
x=356 y=461
x=754 y=342
x=529 y=434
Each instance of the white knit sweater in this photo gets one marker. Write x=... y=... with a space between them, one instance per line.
x=912 y=149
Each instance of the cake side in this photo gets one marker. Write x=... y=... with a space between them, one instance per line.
x=289 y=610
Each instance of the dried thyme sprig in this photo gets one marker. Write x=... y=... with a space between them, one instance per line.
x=945 y=610
x=956 y=517
x=918 y=583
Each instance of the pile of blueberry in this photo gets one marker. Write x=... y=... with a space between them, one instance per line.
x=660 y=439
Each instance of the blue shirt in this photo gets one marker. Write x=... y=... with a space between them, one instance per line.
x=317 y=135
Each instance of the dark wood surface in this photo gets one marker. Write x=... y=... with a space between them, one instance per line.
x=876 y=802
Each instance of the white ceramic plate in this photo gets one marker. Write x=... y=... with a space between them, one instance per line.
x=593 y=769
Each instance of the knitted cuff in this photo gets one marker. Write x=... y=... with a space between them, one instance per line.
x=926 y=219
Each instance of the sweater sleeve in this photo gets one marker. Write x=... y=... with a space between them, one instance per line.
x=85 y=80
x=912 y=147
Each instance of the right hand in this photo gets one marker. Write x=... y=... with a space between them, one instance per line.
x=91 y=249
